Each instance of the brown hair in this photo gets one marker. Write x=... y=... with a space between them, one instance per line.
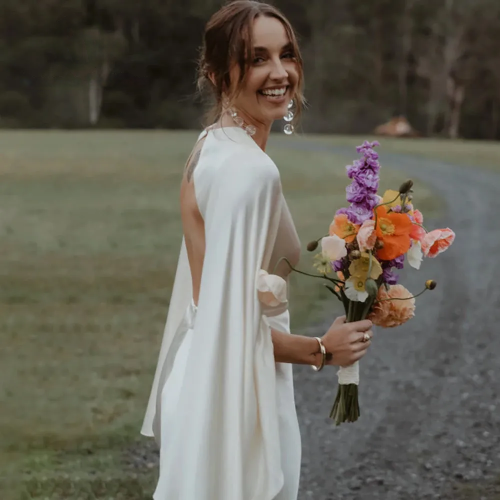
x=228 y=40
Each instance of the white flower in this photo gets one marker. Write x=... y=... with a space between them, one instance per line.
x=353 y=294
x=333 y=247
x=271 y=289
x=415 y=255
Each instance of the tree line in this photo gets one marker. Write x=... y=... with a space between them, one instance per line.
x=125 y=63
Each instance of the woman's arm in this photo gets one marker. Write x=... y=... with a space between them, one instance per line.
x=344 y=341
x=297 y=349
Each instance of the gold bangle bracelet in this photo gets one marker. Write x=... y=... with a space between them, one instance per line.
x=323 y=356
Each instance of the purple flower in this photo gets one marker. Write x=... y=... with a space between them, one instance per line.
x=390 y=277
x=339 y=265
x=357 y=214
x=372 y=162
x=353 y=169
x=371 y=201
x=398 y=263
x=368 y=179
x=356 y=193
x=367 y=146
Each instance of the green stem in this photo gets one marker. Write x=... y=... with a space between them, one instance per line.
x=323 y=276
x=420 y=225
x=350 y=311
x=407 y=298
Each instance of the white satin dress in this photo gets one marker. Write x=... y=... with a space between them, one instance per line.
x=221 y=410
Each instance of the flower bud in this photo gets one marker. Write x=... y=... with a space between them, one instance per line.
x=406 y=186
x=371 y=287
x=312 y=245
x=430 y=284
x=355 y=254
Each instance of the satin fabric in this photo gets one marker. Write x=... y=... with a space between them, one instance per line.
x=221 y=409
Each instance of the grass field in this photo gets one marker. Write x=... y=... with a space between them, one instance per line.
x=90 y=234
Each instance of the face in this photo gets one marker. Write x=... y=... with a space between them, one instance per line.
x=272 y=75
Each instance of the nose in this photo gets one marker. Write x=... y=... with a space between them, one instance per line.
x=278 y=72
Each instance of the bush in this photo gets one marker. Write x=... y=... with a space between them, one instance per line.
x=118 y=105
x=13 y=104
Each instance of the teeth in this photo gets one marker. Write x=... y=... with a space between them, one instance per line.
x=276 y=92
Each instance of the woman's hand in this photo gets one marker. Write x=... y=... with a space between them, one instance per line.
x=344 y=341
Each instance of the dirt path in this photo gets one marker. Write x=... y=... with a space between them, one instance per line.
x=430 y=390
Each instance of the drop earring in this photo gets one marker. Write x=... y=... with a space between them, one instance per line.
x=288 y=128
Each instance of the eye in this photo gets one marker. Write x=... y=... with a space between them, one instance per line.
x=258 y=60
x=288 y=55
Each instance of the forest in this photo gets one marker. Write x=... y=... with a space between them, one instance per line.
x=132 y=64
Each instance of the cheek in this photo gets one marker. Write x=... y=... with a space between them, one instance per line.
x=256 y=79
x=293 y=73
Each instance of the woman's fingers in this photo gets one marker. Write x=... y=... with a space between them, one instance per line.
x=339 y=321
x=361 y=346
x=357 y=336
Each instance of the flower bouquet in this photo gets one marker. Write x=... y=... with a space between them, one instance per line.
x=366 y=241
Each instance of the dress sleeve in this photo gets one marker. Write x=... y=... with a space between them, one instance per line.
x=226 y=444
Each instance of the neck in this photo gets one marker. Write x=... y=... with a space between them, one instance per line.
x=262 y=130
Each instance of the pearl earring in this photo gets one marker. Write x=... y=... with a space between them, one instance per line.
x=288 y=128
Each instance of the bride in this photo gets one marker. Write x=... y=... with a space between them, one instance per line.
x=222 y=405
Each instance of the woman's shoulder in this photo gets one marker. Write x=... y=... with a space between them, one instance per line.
x=240 y=155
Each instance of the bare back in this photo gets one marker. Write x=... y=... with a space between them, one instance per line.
x=192 y=221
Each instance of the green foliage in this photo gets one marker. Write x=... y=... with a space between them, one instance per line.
x=365 y=62
x=14 y=104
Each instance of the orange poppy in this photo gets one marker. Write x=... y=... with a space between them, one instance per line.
x=393 y=229
x=344 y=228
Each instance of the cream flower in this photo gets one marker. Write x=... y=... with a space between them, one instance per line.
x=271 y=289
x=355 y=286
x=333 y=247
x=322 y=263
x=415 y=255
x=355 y=290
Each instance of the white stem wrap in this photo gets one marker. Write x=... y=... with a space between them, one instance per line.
x=349 y=374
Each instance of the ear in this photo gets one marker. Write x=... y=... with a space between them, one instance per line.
x=211 y=77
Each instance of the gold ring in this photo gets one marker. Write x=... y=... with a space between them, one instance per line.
x=366 y=338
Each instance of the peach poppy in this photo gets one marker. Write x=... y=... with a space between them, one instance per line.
x=366 y=235
x=344 y=228
x=437 y=241
x=393 y=230
x=390 y=313
x=417 y=231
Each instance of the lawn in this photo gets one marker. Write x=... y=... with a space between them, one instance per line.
x=90 y=233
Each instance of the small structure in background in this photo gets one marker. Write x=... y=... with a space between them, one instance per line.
x=398 y=126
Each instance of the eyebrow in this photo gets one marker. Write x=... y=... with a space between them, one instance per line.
x=288 y=46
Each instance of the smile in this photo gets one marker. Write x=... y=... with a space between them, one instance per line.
x=277 y=92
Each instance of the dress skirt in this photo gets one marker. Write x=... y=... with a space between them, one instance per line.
x=288 y=424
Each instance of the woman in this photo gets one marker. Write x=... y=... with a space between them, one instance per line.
x=222 y=406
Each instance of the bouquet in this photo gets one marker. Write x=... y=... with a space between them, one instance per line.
x=366 y=242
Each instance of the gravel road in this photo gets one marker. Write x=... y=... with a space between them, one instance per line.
x=429 y=393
